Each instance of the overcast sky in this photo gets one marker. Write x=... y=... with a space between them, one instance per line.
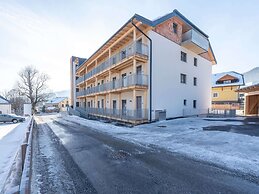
x=47 y=33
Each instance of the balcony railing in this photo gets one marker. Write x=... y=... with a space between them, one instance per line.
x=124 y=114
x=130 y=80
x=136 y=48
x=195 y=41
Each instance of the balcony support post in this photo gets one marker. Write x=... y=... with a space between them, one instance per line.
x=134 y=65
x=134 y=34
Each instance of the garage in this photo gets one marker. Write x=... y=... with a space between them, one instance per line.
x=251 y=99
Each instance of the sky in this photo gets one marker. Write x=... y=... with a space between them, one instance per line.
x=46 y=33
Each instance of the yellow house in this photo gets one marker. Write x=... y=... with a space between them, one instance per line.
x=61 y=103
x=224 y=86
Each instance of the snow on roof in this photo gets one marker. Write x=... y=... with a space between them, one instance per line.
x=3 y=100
x=56 y=100
x=252 y=76
x=217 y=76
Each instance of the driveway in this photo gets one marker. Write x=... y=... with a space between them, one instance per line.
x=250 y=127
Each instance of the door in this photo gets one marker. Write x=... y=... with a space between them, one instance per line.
x=139 y=76
x=123 y=108
x=123 y=54
x=139 y=46
x=113 y=82
x=139 y=106
x=124 y=83
x=114 y=105
x=102 y=103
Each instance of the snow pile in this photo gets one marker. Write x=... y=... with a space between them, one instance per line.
x=186 y=136
x=11 y=137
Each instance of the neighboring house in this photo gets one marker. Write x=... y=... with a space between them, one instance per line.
x=251 y=99
x=5 y=106
x=60 y=103
x=224 y=86
x=251 y=92
x=252 y=76
x=129 y=79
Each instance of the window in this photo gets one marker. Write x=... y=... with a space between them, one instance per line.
x=241 y=95
x=194 y=103
x=77 y=104
x=195 y=81
x=227 y=82
x=184 y=102
x=215 y=95
x=195 y=61
x=183 y=78
x=183 y=56
x=175 y=28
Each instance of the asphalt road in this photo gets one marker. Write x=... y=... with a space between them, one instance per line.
x=77 y=159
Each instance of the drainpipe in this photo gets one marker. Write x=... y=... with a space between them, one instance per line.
x=150 y=69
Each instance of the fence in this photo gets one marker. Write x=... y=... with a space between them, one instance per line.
x=130 y=80
x=123 y=114
x=210 y=112
x=23 y=160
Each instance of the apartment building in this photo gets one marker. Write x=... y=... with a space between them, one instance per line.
x=145 y=70
x=224 y=86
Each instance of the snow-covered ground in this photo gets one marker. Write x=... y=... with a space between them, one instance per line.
x=186 y=136
x=11 y=137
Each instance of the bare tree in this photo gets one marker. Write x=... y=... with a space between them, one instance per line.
x=4 y=93
x=33 y=85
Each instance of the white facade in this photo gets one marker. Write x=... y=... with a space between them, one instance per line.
x=5 y=108
x=27 y=109
x=168 y=93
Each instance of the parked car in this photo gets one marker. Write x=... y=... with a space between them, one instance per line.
x=11 y=118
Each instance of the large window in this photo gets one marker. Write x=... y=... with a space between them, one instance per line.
x=183 y=56
x=183 y=78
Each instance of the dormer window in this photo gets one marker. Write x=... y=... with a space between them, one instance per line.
x=175 y=28
x=226 y=81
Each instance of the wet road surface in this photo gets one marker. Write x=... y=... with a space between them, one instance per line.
x=250 y=127
x=77 y=159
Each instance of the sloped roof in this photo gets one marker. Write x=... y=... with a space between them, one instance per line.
x=217 y=76
x=252 y=76
x=251 y=88
x=3 y=100
x=154 y=23
x=56 y=100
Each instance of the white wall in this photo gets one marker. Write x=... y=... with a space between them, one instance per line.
x=168 y=92
x=5 y=108
x=27 y=109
